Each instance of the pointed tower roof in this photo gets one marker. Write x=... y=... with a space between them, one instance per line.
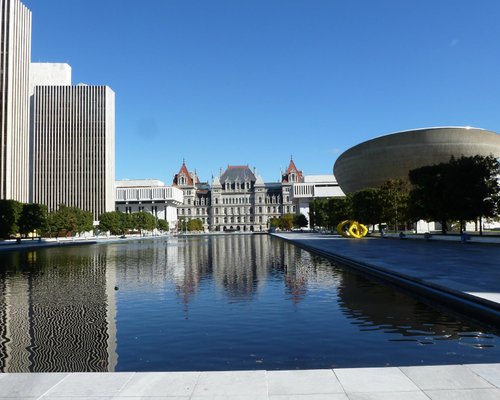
x=216 y=182
x=183 y=172
x=259 y=181
x=292 y=168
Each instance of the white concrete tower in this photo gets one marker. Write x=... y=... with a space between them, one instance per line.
x=15 y=54
x=73 y=145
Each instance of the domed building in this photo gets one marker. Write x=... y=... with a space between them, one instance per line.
x=392 y=156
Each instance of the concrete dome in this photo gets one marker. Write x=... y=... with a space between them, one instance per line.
x=375 y=161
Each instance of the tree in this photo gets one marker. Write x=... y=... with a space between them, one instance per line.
x=275 y=223
x=113 y=222
x=318 y=212
x=85 y=220
x=300 y=221
x=338 y=209
x=429 y=193
x=10 y=211
x=34 y=217
x=329 y=212
x=366 y=206
x=64 y=220
x=463 y=189
x=475 y=188
x=162 y=225
x=143 y=221
x=195 y=225
x=394 y=196
x=70 y=220
x=287 y=222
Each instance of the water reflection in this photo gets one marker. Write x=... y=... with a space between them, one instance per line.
x=57 y=312
x=208 y=303
x=374 y=308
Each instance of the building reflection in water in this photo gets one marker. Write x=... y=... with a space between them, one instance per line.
x=57 y=311
x=240 y=265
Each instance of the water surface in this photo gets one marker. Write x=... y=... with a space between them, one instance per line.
x=228 y=302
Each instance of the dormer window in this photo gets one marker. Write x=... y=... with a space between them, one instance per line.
x=292 y=177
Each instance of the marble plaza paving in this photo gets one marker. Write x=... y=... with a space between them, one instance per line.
x=453 y=382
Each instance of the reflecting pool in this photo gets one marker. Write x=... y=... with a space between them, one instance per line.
x=227 y=302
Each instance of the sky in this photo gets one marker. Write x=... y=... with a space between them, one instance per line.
x=237 y=82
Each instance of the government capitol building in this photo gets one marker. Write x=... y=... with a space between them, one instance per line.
x=238 y=200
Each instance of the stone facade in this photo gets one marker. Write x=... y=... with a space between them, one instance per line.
x=196 y=203
x=237 y=200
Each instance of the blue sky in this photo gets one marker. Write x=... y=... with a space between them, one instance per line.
x=221 y=82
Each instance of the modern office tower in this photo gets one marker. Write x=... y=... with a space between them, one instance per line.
x=15 y=53
x=73 y=146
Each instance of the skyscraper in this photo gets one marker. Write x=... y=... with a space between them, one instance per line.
x=73 y=144
x=15 y=53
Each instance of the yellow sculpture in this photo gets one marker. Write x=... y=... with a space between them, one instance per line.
x=351 y=228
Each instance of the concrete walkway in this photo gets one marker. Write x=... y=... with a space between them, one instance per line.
x=457 y=382
x=466 y=275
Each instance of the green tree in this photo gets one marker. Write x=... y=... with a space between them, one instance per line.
x=338 y=209
x=366 y=206
x=143 y=221
x=275 y=223
x=475 y=188
x=394 y=197
x=195 y=225
x=85 y=220
x=64 y=221
x=428 y=197
x=287 y=222
x=463 y=189
x=126 y=222
x=113 y=222
x=162 y=225
x=10 y=211
x=34 y=217
x=318 y=212
x=300 y=221
x=328 y=212
x=70 y=220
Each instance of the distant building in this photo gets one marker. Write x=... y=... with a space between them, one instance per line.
x=374 y=162
x=73 y=142
x=149 y=195
x=313 y=187
x=15 y=54
x=237 y=200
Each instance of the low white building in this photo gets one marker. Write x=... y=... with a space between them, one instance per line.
x=312 y=187
x=150 y=195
